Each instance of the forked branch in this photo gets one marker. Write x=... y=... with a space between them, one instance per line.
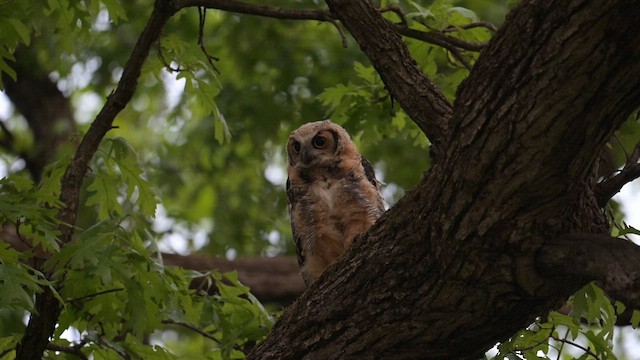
x=428 y=107
x=425 y=103
x=612 y=262
x=611 y=186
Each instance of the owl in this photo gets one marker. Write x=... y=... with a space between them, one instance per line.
x=332 y=192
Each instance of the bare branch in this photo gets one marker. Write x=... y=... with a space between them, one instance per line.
x=606 y=189
x=67 y=349
x=440 y=39
x=433 y=37
x=192 y=328
x=258 y=9
x=397 y=11
x=612 y=262
x=483 y=24
x=90 y=296
x=576 y=345
x=202 y=14
x=42 y=322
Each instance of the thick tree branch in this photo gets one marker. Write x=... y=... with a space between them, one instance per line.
x=612 y=262
x=73 y=177
x=432 y=37
x=42 y=322
x=258 y=9
x=432 y=109
x=458 y=252
x=611 y=186
x=380 y=41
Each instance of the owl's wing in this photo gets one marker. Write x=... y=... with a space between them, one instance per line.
x=291 y=198
x=369 y=172
x=371 y=176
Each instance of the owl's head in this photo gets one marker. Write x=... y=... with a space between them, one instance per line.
x=319 y=143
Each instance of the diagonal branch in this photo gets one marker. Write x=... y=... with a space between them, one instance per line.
x=42 y=322
x=428 y=107
x=72 y=350
x=73 y=177
x=424 y=103
x=432 y=37
x=612 y=262
x=611 y=186
x=258 y=9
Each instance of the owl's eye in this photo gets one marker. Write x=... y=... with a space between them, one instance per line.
x=319 y=141
x=296 y=147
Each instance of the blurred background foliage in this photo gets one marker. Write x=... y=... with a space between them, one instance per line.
x=210 y=141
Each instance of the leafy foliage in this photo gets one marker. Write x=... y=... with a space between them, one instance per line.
x=204 y=147
x=586 y=332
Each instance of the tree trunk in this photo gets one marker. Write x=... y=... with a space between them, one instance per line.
x=451 y=269
x=44 y=107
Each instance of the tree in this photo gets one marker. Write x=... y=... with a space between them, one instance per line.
x=505 y=225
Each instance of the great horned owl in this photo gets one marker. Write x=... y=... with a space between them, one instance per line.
x=332 y=192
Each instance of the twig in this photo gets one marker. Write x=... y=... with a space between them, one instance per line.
x=439 y=39
x=202 y=16
x=484 y=24
x=342 y=34
x=118 y=350
x=607 y=188
x=575 y=344
x=258 y=9
x=566 y=335
x=191 y=327
x=433 y=37
x=67 y=349
x=2 y=354
x=458 y=55
x=397 y=11
x=94 y=295
x=165 y=62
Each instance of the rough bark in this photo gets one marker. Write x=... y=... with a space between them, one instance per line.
x=453 y=267
x=404 y=79
x=450 y=270
x=609 y=261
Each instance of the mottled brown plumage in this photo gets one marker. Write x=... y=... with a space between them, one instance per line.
x=332 y=192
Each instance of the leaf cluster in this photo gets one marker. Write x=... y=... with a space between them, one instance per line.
x=585 y=332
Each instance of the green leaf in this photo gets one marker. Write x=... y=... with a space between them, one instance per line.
x=17 y=284
x=628 y=230
x=460 y=16
x=116 y=11
x=635 y=319
x=22 y=30
x=366 y=73
x=572 y=323
x=104 y=194
x=221 y=131
x=127 y=161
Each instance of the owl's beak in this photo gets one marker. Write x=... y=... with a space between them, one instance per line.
x=305 y=157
